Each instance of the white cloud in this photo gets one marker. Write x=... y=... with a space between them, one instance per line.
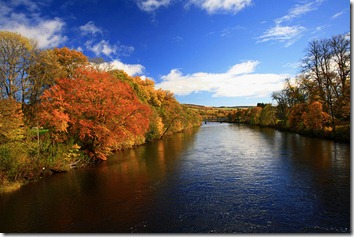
x=130 y=69
x=90 y=29
x=103 y=47
x=106 y=48
x=152 y=5
x=48 y=32
x=125 y=50
x=289 y=34
x=284 y=34
x=293 y=65
x=218 y=6
x=299 y=10
x=338 y=14
x=238 y=81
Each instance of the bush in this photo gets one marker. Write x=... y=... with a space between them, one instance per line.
x=13 y=161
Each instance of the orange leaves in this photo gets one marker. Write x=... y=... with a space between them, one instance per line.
x=99 y=110
x=315 y=118
x=295 y=120
x=308 y=116
x=68 y=57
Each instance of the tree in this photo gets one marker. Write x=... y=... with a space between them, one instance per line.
x=340 y=46
x=69 y=60
x=17 y=53
x=96 y=109
x=340 y=50
x=314 y=118
x=11 y=121
x=267 y=116
x=326 y=74
x=295 y=120
x=171 y=112
x=290 y=96
x=50 y=65
x=255 y=114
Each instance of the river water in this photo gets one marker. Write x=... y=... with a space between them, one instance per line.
x=218 y=178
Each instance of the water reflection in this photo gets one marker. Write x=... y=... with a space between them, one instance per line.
x=221 y=178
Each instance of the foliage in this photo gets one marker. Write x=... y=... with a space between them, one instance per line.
x=17 y=53
x=326 y=75
x=87 y=110
x=96 y=109
x=318 y=101
x=295 y=118
x=69 y=60
x=168 y=115
x=314 y=118
x=11 y=121
x=268 y=116
x=50 y=65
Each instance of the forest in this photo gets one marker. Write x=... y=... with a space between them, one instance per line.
x=60 y=110
x=315 y=103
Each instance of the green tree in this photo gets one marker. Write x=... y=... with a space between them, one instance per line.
x=268 y=116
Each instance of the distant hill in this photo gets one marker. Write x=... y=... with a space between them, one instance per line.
x=218 y=107
x=214 y=113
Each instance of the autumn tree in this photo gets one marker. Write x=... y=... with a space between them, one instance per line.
x=291 y=95
x=254 y=115
x=171 y=112
x=41 y=76
x=314 y=118
x=268 y=116
x=69 y=60
x=93 y=107
x=295 y=120
x=326 y=74
x=17 y=54
x=168 y=115
x=50 y=65
x=11 y=121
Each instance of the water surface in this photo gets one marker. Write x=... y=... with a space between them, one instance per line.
x=218 y=178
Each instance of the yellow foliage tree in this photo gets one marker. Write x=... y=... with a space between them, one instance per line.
x=11 y=121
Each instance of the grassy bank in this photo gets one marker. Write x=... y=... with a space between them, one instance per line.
x=32 y=159
x=29 y=160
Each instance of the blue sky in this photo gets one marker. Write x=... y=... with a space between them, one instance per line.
x=208 y=52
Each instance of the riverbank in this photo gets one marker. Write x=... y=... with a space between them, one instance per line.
x=66 y=158
x=342 y=132
x=310 y=120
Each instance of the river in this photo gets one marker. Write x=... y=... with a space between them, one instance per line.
x=222 y=178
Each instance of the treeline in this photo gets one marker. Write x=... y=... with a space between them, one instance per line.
x=60 y=110
x=209 y=113
x=315 y=103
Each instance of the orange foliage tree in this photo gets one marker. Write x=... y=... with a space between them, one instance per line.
x=295 y=120
x=69 y=60
x=315 y=119
x=94 y=108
